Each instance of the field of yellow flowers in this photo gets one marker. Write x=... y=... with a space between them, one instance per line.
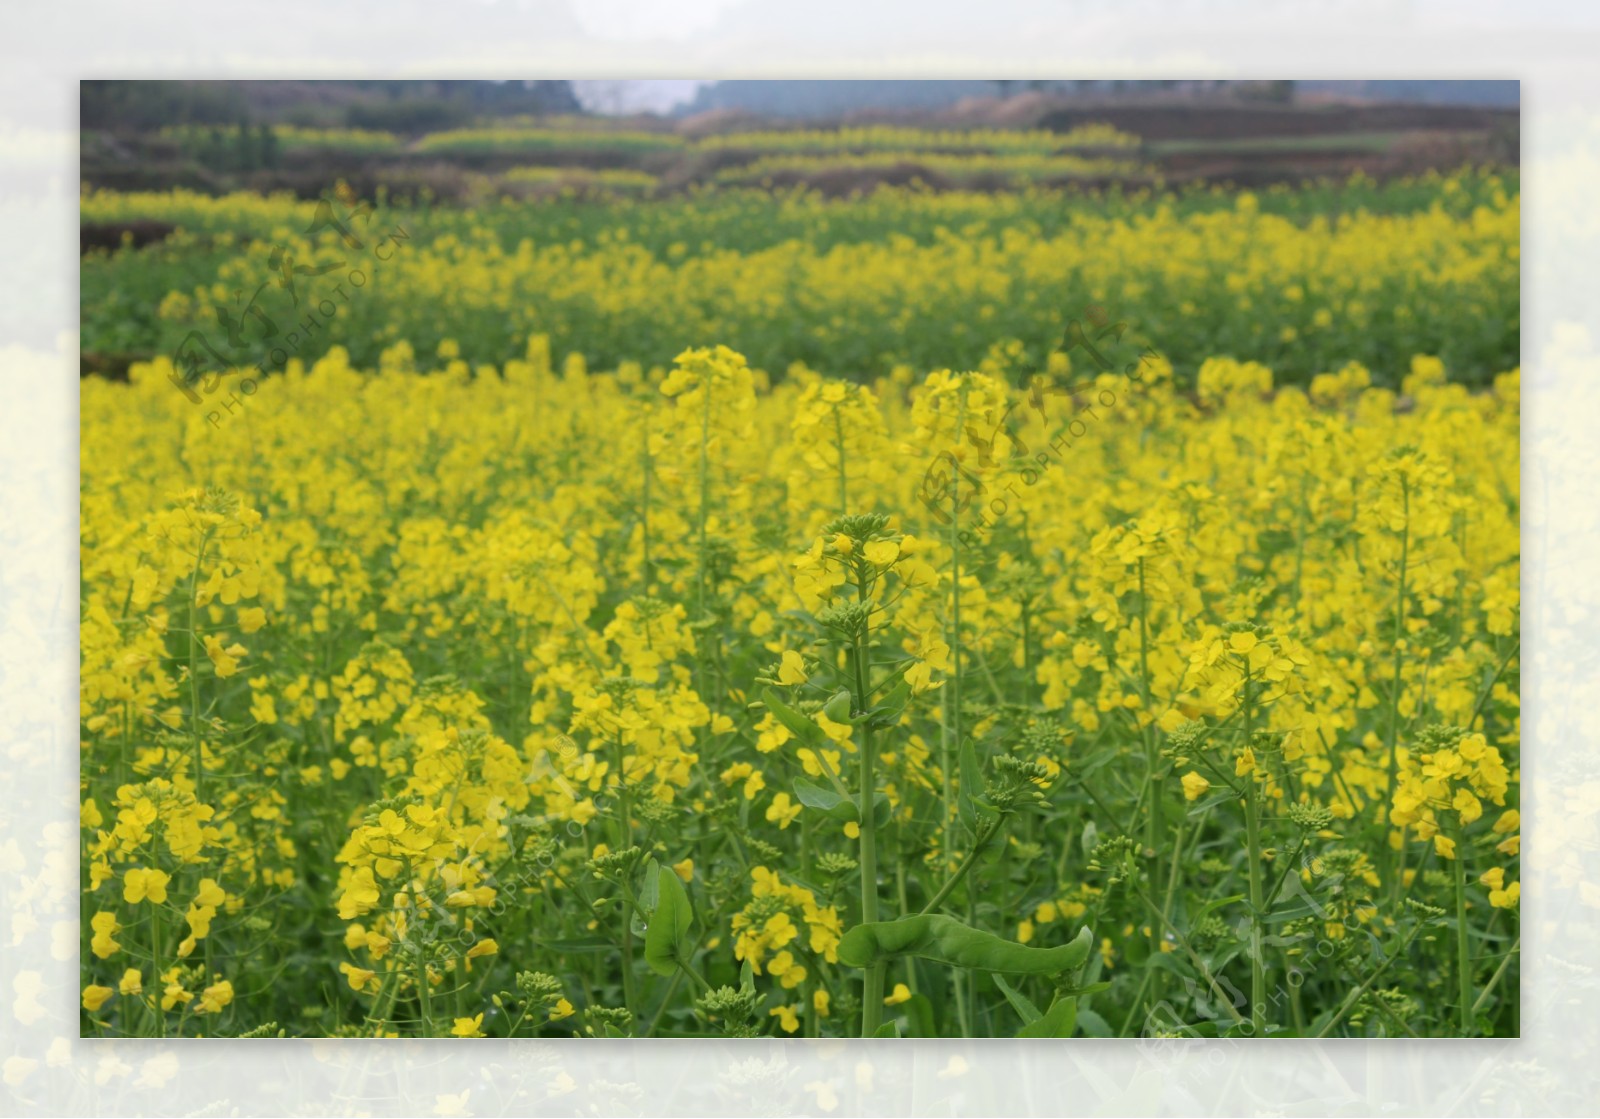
x=1094 y=687
x=1302 y=281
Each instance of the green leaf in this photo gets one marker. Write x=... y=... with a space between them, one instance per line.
x=1093 y=1024
x=1090 y=839
x=947 y=941
x=806 y=730
x=881 y=809
x=1086 y=991
x=1222 y=958
x=1019 y=1001
x=889 y=709
x=1201 y=807
x=1303 y=907
x=586 y=945
x=1211 y=907
x=666 y=939
x=649 y=895
x=1173 y=962
x=838 y=706
x=890 y=1028
x=825 y=800
x=1059 y=1021
x=649 y=888
x=971 y=787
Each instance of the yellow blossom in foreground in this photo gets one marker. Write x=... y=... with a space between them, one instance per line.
x=215 y=997
x=792 y=670
x=359 y=978
x=142 y=884
x=104 y=941
x=1506 y=898
x=782 y=811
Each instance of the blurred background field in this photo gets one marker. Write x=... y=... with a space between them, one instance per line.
x=457 y=140
x=850 y=227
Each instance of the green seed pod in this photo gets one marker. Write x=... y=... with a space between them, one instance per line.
x=946 y=940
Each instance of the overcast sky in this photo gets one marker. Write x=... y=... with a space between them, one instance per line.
x=635 y=96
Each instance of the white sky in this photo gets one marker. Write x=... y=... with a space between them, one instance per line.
x=635 y=96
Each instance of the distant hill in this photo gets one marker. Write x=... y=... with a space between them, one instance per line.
x=821 y=99
x=783 y=98
x=1489 y=94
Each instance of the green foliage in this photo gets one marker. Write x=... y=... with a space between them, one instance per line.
x=946 y=940
x=702 y=263
x=666 y=943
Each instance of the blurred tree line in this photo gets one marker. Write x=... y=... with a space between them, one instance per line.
x=406 y=107
x=243 y=149
x=1278 y=91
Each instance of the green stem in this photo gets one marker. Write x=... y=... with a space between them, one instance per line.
x=1494 y=980
x=1258 y=981
x=688 y=970
x=384 y=1003
x=625 y=804
x=961 y=871
x=1463 y=957
x=1483 y=697
x=951 y=730
x=838 y=437
x=1252 y=819
x=629 y=993
x=705 y=497
x=1367 y=984
x=1194 y=957
x=194 y=666
x=666 y=1001
x=644 y=514
x=872 y=995
x=1172 y=876
x=1300 y=541
x=872 y=1004
x=155 y=957
x=1152 y=819
x=424 y=996
x=1394 y=696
